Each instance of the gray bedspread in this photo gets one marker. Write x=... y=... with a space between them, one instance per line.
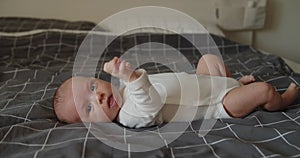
x=34 y=64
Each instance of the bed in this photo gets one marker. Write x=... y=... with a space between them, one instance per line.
x=37 y=55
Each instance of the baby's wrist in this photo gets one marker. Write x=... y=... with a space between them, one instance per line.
x=134 y=75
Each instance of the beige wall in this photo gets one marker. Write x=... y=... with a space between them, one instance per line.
x=97 y=10
x=281 y=35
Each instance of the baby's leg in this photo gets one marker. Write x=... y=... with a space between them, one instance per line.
x=241 y=101
x=210 y=64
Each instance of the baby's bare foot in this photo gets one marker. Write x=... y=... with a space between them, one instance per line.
x=290 y=94
x=247 y=79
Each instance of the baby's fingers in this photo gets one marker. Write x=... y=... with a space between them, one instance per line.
x=125 y=70
x=110 y=66
x=125 y=66
x=107 y=68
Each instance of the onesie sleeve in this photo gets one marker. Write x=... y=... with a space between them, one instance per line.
x=142 y=102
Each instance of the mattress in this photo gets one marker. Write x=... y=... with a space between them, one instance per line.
x=37 y=55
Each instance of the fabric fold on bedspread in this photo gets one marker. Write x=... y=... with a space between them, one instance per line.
x=18 y=24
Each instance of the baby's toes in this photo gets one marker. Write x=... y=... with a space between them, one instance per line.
x=247 y=79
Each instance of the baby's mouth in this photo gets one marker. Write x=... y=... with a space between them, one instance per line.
x=112 y=102
x=115 y=100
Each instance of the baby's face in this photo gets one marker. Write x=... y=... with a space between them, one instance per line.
x=94 y=99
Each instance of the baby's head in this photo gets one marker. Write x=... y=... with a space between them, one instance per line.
x=83 y=99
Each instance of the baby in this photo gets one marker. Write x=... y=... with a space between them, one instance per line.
x=148 y=100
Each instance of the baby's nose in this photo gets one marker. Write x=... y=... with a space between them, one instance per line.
x=100 y=97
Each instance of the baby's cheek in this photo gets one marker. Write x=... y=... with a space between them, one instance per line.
x=100 y=116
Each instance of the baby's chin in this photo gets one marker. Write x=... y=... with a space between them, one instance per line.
x=117 y=96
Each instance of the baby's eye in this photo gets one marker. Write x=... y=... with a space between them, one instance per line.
x=89 y=108
x=93 y=87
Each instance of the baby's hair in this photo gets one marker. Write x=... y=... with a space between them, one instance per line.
x=58 y=99
x=59 y=103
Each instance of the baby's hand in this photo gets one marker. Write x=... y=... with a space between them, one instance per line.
x=120 y=69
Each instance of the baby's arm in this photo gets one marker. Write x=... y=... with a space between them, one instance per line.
x=121 y=69
x=143 y=102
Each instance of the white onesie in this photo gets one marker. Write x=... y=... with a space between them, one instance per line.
x=154 y=99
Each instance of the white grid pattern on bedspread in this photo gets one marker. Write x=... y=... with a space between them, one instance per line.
x=28 y=82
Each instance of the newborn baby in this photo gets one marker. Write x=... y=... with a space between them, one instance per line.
x=148 y=100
